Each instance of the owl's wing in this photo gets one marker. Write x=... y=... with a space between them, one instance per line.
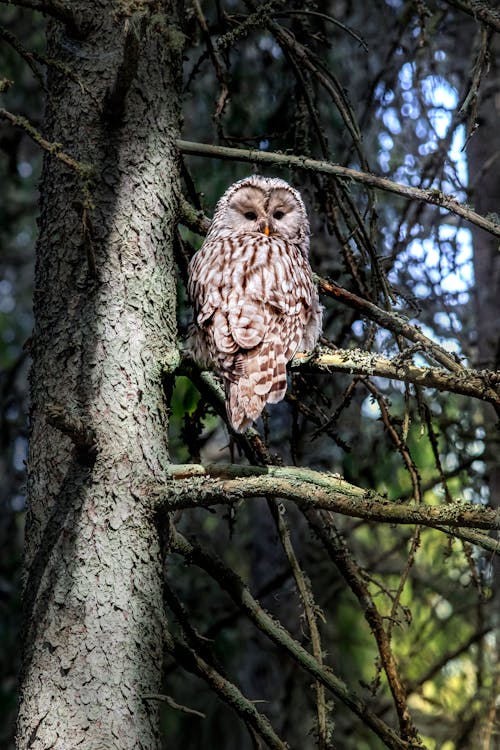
x=253 y=298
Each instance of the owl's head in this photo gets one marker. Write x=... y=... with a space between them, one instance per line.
x=266 y=205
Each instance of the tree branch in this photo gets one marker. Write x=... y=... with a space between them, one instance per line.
x=479 y=10
x=391 y=320
x=81 y=435
x=230 y=582
x=58 y=9
x=86 y=171
x=196 y=485
x=226 y=690
x=435 y=197
x=311 y=611
x=338 y=551
x=357 y=362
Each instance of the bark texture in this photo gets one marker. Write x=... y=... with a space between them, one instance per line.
x=104 y=320
x=485 y=179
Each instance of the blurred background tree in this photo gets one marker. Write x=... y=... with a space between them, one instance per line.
x=410 y=91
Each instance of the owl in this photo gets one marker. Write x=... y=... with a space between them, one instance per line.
x=254 y=298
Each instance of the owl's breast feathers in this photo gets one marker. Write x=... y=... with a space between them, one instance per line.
x=255 y=303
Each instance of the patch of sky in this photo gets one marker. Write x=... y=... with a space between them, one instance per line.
x=421 y=129
x=454 y=275
x=383 y=94
x=24 y=169
x=358 y=328
x=457 y=155
x=268 y=44
x=370 y=408
x=441 y=98
x=385 y=141
x=448 y=321
x=20 y=453
x=391 y=120
x=406 y=76
x=384 y=155
x=450 y=344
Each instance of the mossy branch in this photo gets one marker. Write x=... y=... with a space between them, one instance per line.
x=479 y=10
x=478 y=384
x=84 y=170
x=196 y=485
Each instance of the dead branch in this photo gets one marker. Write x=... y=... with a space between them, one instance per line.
x=84 y=170
x=225 y=689
x=322 y=525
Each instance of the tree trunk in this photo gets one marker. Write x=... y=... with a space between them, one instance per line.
x=485 y=177
x=104 y=321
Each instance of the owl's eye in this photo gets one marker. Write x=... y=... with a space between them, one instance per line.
x=278 y=215
x=250 y=215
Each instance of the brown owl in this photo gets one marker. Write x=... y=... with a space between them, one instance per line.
x=254 y=298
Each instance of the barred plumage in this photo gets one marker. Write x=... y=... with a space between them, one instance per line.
x=254 y=297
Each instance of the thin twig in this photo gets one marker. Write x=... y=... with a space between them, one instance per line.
x=173 y=704
x=325 y=17
x=226 y=690
x=311 y=609
x=322 y=525
x=58 y=9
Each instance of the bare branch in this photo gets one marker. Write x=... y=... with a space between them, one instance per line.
x=173 y=704
x=226 y=690
x=434 y=197
x=193 y=219
x=311 y=610
x=390 y=320
x=340 y=554
x=81 y=435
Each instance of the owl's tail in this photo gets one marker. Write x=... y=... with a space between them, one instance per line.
x=260 y=378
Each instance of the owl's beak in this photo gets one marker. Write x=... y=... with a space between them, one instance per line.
x=266 y=231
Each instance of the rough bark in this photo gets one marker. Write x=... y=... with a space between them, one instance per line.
x=104 y=319
x=485 y=179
